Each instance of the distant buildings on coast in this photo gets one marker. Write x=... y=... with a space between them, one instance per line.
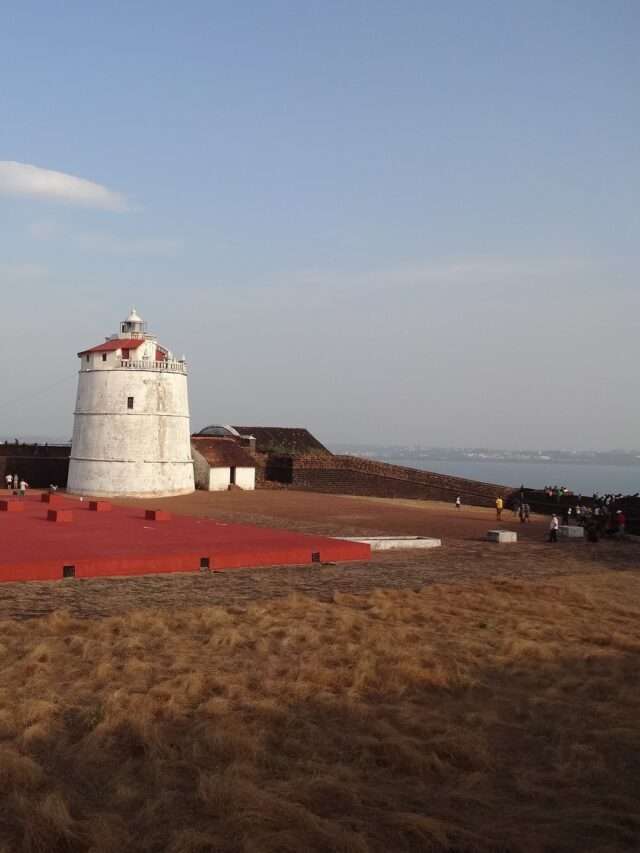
x=444 y=454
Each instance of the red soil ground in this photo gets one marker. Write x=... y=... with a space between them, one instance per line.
x=342 y=515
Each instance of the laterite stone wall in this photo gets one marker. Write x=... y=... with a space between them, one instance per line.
x=353 y=475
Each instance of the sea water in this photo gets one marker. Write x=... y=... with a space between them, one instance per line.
x=581 y=478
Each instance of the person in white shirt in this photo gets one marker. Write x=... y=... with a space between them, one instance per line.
x=458 y=503
x=9 y=481
x=553 y=528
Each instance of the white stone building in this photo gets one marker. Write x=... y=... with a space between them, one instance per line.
x=220 y=462
x=131 y=423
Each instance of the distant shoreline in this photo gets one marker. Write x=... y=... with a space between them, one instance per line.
x=490 y=461
x=421 y=456
x=580 y=477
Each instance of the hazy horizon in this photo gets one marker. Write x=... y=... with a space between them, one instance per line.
x=42 y=438
x=411 y=223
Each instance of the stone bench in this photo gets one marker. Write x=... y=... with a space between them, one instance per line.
x=60 y=515
x=395 y=543
x=11 y=506
x=501 y=536
x=569 y=531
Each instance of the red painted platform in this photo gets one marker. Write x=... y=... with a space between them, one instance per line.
x=124 y=542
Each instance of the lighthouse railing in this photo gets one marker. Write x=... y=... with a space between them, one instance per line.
x=147 y=364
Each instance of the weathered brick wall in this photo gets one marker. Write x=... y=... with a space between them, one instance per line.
x=353 y=475
x=38 y=464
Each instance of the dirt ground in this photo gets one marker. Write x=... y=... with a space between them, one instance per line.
x=464 y=557
x=345 y=515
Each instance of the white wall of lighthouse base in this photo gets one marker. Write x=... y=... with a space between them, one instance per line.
x=135 y=479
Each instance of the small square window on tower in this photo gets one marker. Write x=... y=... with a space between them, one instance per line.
x=129 y=402
x=104 y=356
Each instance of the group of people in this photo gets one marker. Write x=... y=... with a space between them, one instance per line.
x=603 y=517
x=15 y=484
x=597 y=521
x=556 y=491
x=608 y=499
x=603 y=521
x=522 y=510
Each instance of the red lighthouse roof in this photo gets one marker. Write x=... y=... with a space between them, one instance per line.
x=116 y=343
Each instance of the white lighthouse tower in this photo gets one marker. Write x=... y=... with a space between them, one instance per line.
x=131 y=431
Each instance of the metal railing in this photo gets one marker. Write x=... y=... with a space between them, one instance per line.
x=147 y=364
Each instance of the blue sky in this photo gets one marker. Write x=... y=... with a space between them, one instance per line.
x=409 y=221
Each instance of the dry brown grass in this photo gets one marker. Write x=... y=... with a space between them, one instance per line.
x=496 y=716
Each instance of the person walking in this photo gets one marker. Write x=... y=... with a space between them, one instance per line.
x=591 y=528
x=527 y=512
x=8 y=480
x=553 y=528
x=23 y=487
x=15 y=482
x=620 y=521
x=499 y=505
x=458 y=502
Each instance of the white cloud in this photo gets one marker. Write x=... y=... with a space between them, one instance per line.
x=23 y=179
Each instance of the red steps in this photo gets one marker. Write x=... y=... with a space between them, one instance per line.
x=11 y=506
x=51 y=498
x=64 y=516
x=157 y=515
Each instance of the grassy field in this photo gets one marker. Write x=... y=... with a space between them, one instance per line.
x=496 y=715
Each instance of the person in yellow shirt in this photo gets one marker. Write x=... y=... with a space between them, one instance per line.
x=499 y=505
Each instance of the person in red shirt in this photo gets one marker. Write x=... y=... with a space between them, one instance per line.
x=620 y=521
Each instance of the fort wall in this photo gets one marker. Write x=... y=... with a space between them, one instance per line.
x=354 y=475
x=38 y=464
